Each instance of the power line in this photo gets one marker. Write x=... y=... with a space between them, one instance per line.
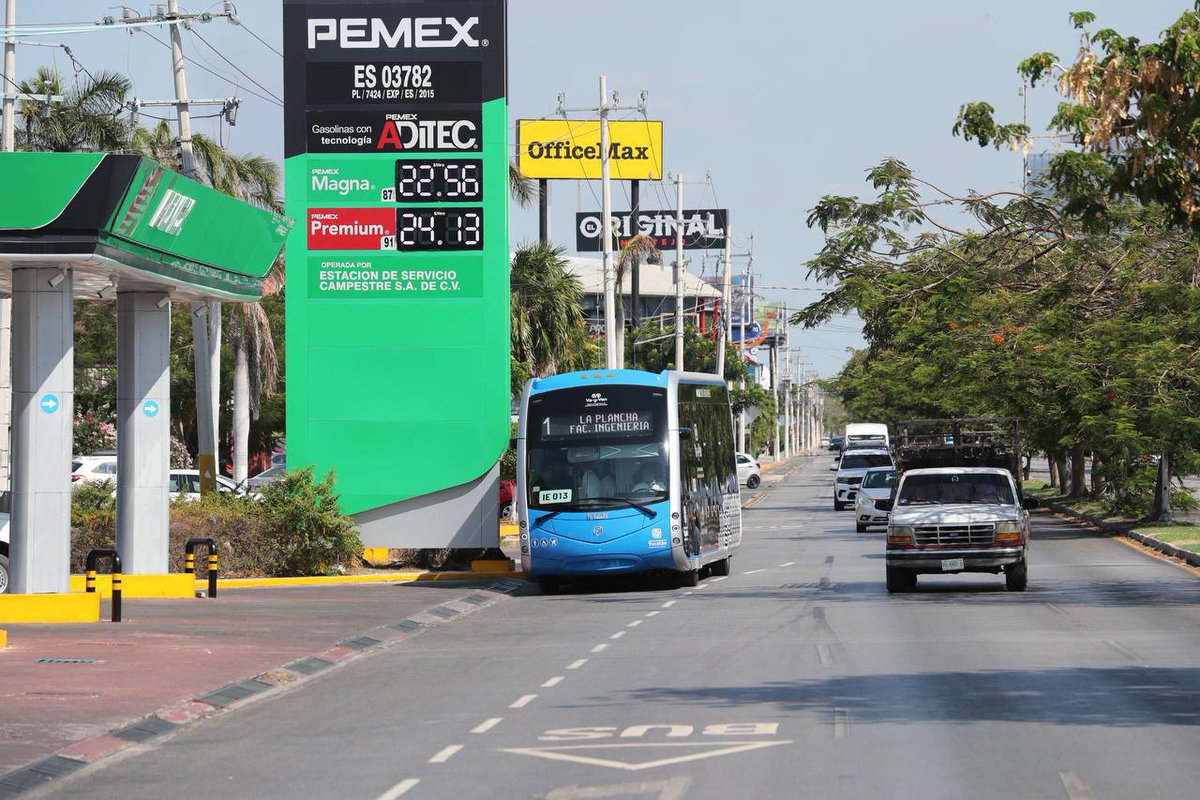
x=216 y=74
x=242 y=25
x=236 y=67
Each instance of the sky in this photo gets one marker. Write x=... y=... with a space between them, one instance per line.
x=777 y=103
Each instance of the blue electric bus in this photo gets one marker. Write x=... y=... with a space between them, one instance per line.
x=622 y=471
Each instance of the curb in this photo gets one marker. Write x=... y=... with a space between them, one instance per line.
x=273 y=682
x=1129 y=531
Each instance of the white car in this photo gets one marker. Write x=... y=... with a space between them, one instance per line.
x=3 y=552
x=95 y=467
x=186 y=482
x=749 y=471
x=267 y=476
x=850 y=468
x=877 y=484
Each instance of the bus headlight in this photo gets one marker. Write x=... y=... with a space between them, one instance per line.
x=900 y=534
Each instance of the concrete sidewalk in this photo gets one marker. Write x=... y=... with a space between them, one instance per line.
x=73 y=693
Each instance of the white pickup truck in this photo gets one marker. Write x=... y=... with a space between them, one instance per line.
x=958 y=519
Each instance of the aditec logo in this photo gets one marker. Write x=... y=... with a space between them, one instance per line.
x=360 y=33
x=440 y=134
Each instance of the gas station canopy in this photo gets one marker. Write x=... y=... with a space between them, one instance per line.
x=125 y=221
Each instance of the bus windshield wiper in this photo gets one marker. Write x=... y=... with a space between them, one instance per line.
x=624 y=500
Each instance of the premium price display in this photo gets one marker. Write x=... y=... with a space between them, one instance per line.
x=422 y=181
x=439 y=229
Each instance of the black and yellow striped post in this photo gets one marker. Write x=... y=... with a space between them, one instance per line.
x=90 y=576
x=189 y=564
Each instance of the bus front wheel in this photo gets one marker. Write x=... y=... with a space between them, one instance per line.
x=549 y=585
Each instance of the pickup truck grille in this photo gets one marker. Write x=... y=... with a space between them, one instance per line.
x=956 y=534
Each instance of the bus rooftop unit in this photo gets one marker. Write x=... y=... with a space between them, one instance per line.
x=623 y=471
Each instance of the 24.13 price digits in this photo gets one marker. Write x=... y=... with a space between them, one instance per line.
x=423 y=180
x=440 y=229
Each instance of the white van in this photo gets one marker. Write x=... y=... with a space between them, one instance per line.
x=867 y=434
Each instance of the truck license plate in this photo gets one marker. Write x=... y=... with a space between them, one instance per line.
x=951 y=564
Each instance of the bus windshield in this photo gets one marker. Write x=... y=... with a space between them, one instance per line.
x=589 y=449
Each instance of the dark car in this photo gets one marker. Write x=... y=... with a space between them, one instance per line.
x=836 y=443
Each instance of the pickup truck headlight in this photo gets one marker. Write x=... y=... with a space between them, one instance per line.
x=1008 y=531
x=900 y=534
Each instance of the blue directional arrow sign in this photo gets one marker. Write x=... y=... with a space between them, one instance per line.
x=150 y=408
x=49 y=402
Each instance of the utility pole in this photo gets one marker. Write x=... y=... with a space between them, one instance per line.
x=747 y=307
x=611 y=360
x=10 y=76
x=679 y=272
x=8 y=144
x=725 y=332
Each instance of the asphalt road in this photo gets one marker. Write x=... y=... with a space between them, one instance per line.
x=797 y=676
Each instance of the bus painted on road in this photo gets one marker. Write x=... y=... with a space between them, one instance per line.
x=624 y=471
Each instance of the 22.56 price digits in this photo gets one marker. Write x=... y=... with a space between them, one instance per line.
x=422 y=180
x=440 y=229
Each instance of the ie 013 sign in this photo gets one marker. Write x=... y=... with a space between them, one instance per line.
x=396 y=151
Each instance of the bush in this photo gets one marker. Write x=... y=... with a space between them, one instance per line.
x=296 y=529
x=308 y=532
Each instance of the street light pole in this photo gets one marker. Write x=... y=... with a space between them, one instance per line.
x=679 y=272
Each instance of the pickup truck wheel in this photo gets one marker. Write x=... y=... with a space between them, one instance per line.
x=900 y=580
x=1016 y=577
x=837 y=506
x=858 y=526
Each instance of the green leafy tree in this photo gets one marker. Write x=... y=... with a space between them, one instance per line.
x=86 y=119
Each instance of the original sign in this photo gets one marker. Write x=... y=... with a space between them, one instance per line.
x=703 y=229
x=570 y=149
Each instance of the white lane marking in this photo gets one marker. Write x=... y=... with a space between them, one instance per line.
x=788 y=564
x=617 y=635
x=600 y=648
x=523 y=701
x=555 y=681
x=685 y=594
x=634 y=624
x=824 y=654
x=1076 y=786
x=399 y=790
x=487 y=725
x=653 y=613
x=841 y=723
x=722 y=578
x=754 y=572
x=567 y=753
x=670 y=789
x=577 y=664
x=669 y=603
x=445 y=754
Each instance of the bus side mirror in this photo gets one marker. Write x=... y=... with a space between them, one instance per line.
x=885 y=505
x=685 y=433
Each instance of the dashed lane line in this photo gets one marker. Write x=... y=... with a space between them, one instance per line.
x=754 y=572
x=617 y=635
x=600 y=648
x=634 y=624
x=555 y=681
x=577 y=664
x=668 y=604
x=1075 y=786
x=445 y=754
x=788 y=564
x=523 y=700
x=718 y=580
x=399 y=790
x=487 y=725
x=653 y=613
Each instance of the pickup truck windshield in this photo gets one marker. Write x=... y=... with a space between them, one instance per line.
x=955 y=488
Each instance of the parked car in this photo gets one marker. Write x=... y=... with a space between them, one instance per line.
x=266 y=477
x=836 y=442
x=94 y=467
x=508 y=491
x=877 y=484
x=749 y=471
x=186 y=482
x=4 y=519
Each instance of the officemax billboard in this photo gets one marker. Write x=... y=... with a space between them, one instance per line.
x=570 y=149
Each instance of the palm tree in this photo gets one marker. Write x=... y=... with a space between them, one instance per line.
x=86 y=119
x=523 y=190
x=637 y=249
x=548 y=331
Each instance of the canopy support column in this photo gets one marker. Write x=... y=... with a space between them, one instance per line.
x=43 y=411
x=143 y=430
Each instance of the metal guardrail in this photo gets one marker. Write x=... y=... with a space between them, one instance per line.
x=189 y=566
x=90 y=566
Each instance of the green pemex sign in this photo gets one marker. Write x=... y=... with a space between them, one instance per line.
x=397 y=269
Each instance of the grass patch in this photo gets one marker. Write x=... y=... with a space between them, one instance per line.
x=1185 y=536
